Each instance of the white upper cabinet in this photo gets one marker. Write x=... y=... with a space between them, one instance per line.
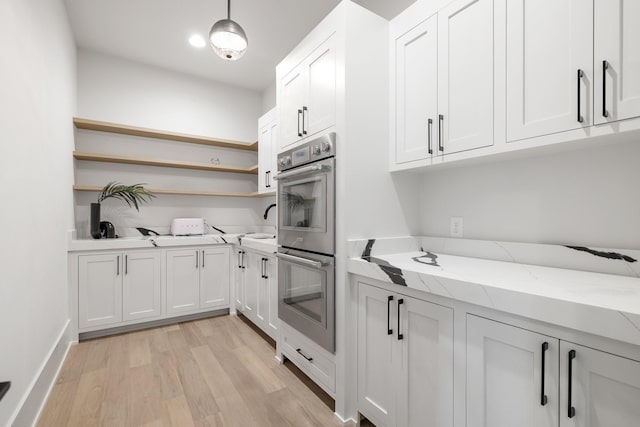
x=416 y=87
x=307 y=96
x=549 y=66
x=616 y=60
x=267 y=152
x=465 y=75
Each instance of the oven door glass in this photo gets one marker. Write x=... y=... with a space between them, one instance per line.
x=303 y=204
x=304 y=290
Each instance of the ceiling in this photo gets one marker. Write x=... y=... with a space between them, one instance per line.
x=155 y=32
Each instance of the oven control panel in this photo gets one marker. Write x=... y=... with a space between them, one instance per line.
x=312 y=151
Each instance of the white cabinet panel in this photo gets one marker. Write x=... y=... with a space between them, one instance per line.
x=376 y=394
x=214 y=277
x=251 y=281
x=425 y=395
x=290 y=107
x=617 y=41
x=465 y=74
x=267 y=151
x=99 y=290
x=239 y=278
x=320 y=104
x=273 y=323
x=605 y=388
x=183 y=280
x=548 y=41
x=504 y=376
x=142 y=285
x=417 y=92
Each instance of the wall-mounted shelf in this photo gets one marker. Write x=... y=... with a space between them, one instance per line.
x=110 y=158
x=181 y=192
x=159 y=134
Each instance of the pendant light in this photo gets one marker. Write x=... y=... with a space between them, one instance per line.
x=227 y=38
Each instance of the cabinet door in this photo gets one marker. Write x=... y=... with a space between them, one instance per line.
x=214 y=277
x=99 y=290
x=239 y=278
x=465 y=75
x=290 y=110
x=605 y=388
x=264 y=158
x=376 y=373
x=425 y=393
x=262 y=302
x=183 y=280
x=548 y=41
x=417 y=93
x=141 y=285
x=251 y=281
x=272 y=296
x=617 y=41
x=320 y=104
x=504 y=376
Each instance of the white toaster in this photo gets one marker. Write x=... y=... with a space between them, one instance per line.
x=187 y=226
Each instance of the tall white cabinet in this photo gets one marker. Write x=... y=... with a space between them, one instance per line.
x=267 y=151
x=405 y=359
x=616 y=60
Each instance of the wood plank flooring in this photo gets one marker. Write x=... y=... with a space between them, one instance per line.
x=210 y=372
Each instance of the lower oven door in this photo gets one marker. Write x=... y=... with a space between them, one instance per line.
x=306 y=295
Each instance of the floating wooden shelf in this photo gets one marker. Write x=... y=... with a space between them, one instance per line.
x=180 y=192
x=110 y=158
x=159 y=134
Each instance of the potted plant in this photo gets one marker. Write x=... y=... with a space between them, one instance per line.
x=134 y=195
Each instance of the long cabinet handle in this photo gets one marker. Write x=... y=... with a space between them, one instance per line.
x=301 y=353
x=126 y=264
x=429 y=132
x=239 y=261
x=605 y=67
x=299 y=114
x=580 y=75
x=400 y=302
x=118 y=266
x=389 y=330
x=570 y=409
x=203 y=258
x=543 y=397
x=440 y=131
x=242 y=259
x=304 y=113
x=197 y=260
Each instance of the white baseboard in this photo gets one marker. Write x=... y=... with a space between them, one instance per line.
x=348 y=421
x=34 y=400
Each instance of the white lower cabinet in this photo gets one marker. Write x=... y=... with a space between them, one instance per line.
x=516 y=377
x=99 y=290
x=197 y=279
x=405 y=359
x=239 y=278
x=261 y=291
x=141 y=286
x=505 y=376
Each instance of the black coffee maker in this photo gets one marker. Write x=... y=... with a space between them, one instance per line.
x=107 y=230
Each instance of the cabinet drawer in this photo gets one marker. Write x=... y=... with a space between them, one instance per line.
x=317 y=365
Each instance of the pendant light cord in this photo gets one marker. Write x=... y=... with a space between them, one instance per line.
x=228 y=9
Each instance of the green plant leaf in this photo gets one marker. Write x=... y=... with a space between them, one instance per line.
x=133 y=195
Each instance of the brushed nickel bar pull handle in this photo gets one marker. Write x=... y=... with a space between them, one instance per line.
x=126 y=264
x=429 y=131
x=118 y=266
x=605 y=67
x=203 y=258
x=440 y=131
x=580 y=75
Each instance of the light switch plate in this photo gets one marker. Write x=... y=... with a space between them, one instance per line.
x=456 y=226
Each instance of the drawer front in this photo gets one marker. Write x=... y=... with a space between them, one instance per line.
x=310 y=359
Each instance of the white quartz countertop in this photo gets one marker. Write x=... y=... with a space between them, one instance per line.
x=602 y=304
x=263 y=245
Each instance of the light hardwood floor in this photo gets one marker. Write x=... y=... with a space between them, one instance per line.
x=211 y=372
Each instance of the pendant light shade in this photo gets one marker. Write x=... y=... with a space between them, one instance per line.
x=227 y=38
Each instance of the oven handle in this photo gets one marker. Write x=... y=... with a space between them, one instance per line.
x=306 y=169
x=303 y=261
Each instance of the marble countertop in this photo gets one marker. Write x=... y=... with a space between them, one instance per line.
x=598 y=303
x=263 y=245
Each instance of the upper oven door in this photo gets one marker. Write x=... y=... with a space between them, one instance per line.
x=306 y=209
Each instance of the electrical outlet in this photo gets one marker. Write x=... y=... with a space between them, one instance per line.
x=456 y=226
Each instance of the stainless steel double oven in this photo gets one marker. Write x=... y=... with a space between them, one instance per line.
x=306 y=239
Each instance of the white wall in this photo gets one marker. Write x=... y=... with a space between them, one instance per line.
x=37 y=82
x=583 y=197
x=269 y=98
x=121 y=91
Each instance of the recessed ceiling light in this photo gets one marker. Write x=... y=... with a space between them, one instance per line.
x=196 y=40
